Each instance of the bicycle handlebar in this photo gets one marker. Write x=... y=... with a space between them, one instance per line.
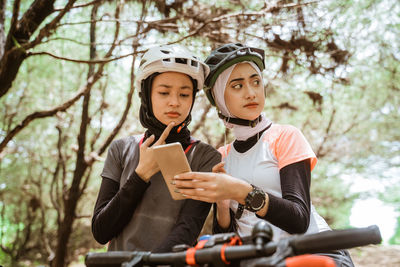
x=303 y=244
x=337 y=239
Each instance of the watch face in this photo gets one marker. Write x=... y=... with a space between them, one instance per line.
x=258 y=200
x=255 y=200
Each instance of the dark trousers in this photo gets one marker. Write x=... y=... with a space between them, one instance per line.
x=341 y=257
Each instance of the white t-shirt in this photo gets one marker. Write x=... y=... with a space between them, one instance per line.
x=278 y=147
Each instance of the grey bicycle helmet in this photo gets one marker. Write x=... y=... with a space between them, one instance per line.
x=226 y=56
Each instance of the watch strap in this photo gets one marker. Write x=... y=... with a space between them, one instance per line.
x=239 y=211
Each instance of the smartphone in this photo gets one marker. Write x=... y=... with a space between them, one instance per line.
x=172 y=161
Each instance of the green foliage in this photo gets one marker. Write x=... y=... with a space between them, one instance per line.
x=330 y=194
x=392 y=197
x=395 y=240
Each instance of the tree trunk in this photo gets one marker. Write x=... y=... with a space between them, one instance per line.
x=74 y=193
x=9 y=66
x=65 y=229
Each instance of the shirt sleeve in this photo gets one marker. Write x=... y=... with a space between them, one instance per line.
x=193 y=213
x=113 y=165
x=291 y=213
x=291 y=146
x=115 y=206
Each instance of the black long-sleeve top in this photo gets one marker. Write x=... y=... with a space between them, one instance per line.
x=135 y=215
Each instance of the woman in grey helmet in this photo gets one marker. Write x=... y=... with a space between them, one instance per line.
x=134 y=210
x=266 y=171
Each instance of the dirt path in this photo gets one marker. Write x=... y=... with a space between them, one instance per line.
x=374 y=256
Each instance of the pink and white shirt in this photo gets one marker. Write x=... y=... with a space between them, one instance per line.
x=277 y=147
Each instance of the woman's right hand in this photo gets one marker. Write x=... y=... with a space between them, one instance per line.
x=147 y=165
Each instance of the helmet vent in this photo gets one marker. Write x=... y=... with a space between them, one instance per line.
x=213 y=61
x=194 y=63
x=181 y=60
x=166 y=59
x=224 y=50
x=165 y=52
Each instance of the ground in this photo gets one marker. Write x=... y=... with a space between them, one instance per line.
x=374 y=256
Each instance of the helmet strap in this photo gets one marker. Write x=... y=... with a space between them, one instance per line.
x=238 y=121
x=149 y=121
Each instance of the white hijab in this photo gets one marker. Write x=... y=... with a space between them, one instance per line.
x=240 y=132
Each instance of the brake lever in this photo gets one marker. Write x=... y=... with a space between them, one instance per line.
x=283 y=250
x=137 y=260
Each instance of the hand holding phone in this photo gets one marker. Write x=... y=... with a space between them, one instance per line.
x=171 y=160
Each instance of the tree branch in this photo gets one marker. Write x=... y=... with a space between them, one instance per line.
x=2 y=29
x=13 y=24
x=32 y=18
x=260 y=13
x=54 y=183
x=82 y=5
x=223 y=138
x=97 y=61
x=154 y=22
x=319 y=153
x=81 y=43
x=2 y=216
x=48 y=113
x=85 y=181
x=18 y=35
x=48 y=29
x=202 y=119
x=95 y=155
x=100 y=110
x=42 y=114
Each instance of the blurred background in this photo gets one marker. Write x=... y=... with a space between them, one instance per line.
x=67 y=71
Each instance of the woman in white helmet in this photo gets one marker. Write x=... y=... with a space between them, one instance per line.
x=134 y=210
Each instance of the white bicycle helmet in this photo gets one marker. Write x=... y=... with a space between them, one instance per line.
x=171 y=58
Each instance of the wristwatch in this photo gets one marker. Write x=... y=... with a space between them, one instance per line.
x=255 y=199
